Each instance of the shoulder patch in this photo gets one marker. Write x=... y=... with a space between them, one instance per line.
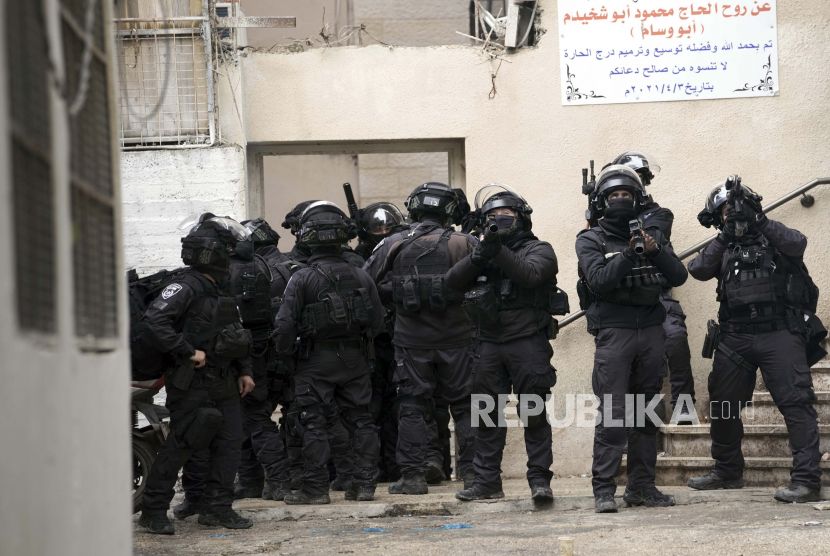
x=171 y=290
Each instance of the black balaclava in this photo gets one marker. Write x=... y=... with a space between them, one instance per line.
x=618 y=214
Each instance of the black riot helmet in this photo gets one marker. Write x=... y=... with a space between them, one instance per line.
x=210 y=240
x=645 y=165
x=498 y=195
x=262 y=234
x=617 y=176
x=292 y=219
x=379 y=220
x=437 y=198
x=323 y=223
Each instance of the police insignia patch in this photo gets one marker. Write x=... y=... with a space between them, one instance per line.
x=170 y=291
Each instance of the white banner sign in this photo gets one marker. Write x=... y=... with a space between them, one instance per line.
x=616 y=51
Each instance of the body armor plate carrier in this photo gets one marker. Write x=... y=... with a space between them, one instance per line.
x=345 y=308
x=418 y=273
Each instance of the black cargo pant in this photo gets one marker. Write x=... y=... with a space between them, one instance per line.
x=335 y=376
x=261 y=448
x=627 y=361
x=524 y=365
x=678 y=354
x=423 y=375
x=222 y=456
x=782 y=358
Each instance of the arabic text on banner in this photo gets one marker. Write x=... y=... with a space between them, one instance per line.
x=654 y=50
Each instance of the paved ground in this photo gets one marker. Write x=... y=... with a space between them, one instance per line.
x=746 y=522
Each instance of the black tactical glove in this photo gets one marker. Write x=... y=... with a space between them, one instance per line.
x=728 y=231
x=752 y=205
x=486 y=250
x=705 y=218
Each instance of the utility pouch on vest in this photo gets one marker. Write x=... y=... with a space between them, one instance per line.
x=411 y=294
x=558 y=301
x=482 y=304
x=233 y=342
x=362 y=307
x=710 y=342
x=338 y=312
x=584 y=295
x=202 y=428
x=816 y=333
x=552 y=330
x=437 y=301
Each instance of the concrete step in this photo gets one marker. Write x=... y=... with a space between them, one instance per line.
x=759 y=472
x=759 y=440
x=821 y=378
x=764 y=412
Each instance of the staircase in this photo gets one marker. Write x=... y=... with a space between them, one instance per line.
x=765 y=444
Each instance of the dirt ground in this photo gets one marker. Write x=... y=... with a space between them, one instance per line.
x=729 y=528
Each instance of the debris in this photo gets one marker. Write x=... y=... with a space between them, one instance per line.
x=584 y=475
x=811 y=523
x=374 y=530
x=566 y=546
x=822 y=506
x=826 y=457
x=456 y=526
x=220 y=535
x=661 y=455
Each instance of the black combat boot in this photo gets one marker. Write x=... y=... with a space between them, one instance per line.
x=413 y=484
x=339 y=484
x=798 y=494
x=541 y=493
x=241 y=491
x=604 y=504
x=157 y=524
x=225 y=517
x=434 y=473
x=469 y=477
x=650 y=497
x=713 y=481
x=187 y=509
x=479 y=492
x=301 y=497
x=275 y=491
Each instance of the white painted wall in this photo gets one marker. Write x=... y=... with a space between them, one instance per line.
x=65 y=463
x=525 y=138
x=163 y=187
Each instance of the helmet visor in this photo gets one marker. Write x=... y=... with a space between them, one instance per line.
x=240 y=232
x=382 y=218
x=637 y=160
x=316 y=206
x=618 y=176
x=497 y=190
x=191 y=221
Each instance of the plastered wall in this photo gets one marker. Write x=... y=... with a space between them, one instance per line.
x=525 y=138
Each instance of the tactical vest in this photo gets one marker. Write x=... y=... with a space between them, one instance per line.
x=758 y=281
x=418 y=272
x=250 y=284
x=345 y=308
x=282 y=268
x=641 y=286
x=202 y=328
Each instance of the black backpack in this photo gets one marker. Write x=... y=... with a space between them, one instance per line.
x=147 y=361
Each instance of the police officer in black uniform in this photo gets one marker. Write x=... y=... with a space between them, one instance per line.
x=333 y=307
x=767 y=313
x=198 y=325
x=677 y=338
x=621 y=278
x=511 y=308
x=301 y=251
x=376 y=222
x=432 y=331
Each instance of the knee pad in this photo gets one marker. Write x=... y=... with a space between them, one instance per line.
x=649 y=427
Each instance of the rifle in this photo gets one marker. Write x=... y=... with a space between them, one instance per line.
x=736 y=197
x=588 y=187
x=351 y=203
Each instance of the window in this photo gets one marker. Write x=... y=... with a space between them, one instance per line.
x=33 y=199
x=91 y=171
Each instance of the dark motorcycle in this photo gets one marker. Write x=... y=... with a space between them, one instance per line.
x=148 y=439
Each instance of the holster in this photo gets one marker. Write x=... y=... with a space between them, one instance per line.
x=710 y=342
x=182 y=376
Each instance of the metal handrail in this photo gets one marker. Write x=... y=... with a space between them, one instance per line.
x=806 y=201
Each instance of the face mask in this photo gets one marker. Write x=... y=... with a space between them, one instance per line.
x=619 y=213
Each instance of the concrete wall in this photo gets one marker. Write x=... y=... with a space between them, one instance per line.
x=414 y=22
x=65 y=471
x=525 y=138
x=163 y=187
x=393 y=176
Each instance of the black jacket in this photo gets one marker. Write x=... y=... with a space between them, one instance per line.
x=604 y=273
x=711 y=262
x=529 y=264
x=192 y=297
x=425 y=329
x=656 y=217
x=302 y=256
x=305 y=287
